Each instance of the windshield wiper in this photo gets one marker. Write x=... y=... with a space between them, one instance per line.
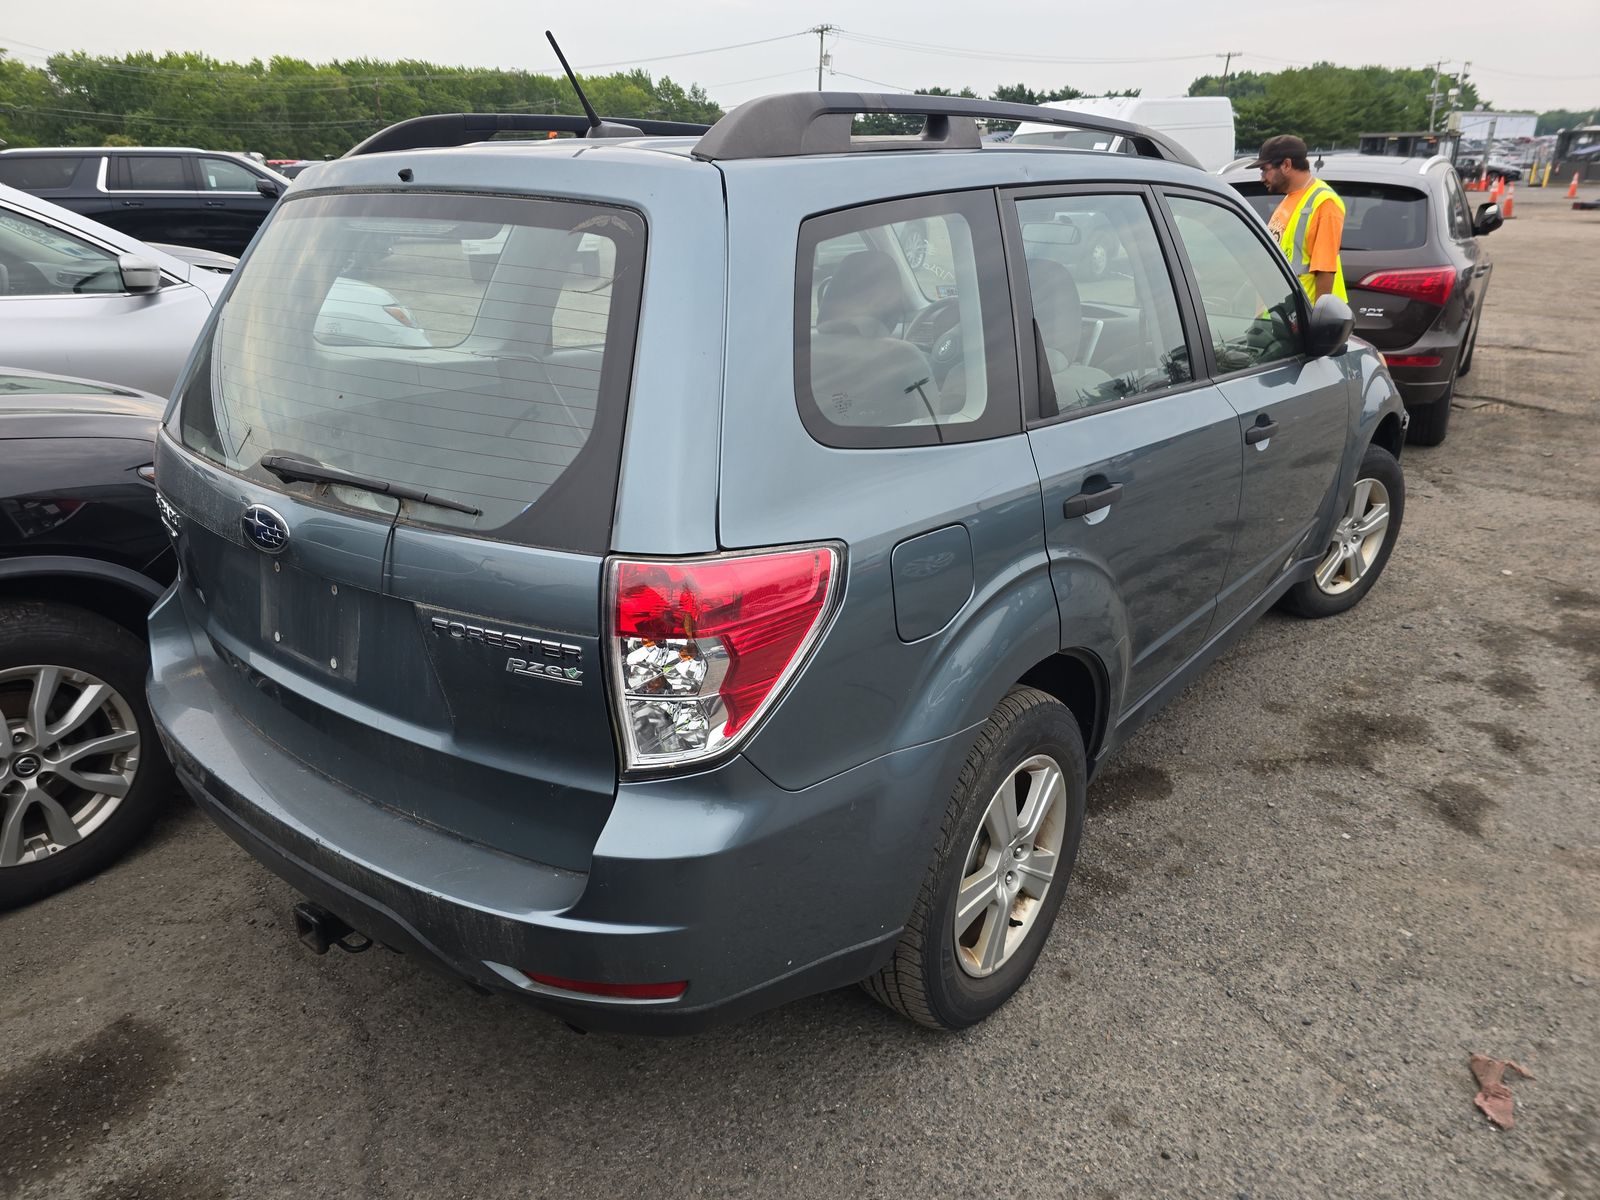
x=290 y=469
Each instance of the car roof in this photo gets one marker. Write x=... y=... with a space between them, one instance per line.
x=23 y=151
x=54 y=214
x=1360 y=166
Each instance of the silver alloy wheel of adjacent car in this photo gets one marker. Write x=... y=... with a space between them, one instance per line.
x=71 y=753
x=1357 y=539
x=1010 y=865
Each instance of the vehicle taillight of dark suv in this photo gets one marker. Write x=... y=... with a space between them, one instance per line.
x=615 y=571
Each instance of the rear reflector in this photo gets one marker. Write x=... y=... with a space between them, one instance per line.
x=701 y=648
x=1432 y=285
x=1413 y=360
x=613 y=991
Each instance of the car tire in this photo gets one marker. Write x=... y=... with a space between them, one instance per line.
x=1354 y=560
x=1028 y=760
x=1430 y=423
x=72 y=652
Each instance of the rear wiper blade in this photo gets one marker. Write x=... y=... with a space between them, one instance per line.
x=290 y=469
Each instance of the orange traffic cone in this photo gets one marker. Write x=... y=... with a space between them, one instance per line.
x=1498 y=190
x=1572 y=188
x=1510 y=201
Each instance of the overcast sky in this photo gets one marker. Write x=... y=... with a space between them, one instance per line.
x=1536 y=54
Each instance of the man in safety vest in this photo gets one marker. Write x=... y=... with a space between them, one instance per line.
x=1309 y=220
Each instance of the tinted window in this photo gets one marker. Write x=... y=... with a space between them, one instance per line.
x=903 y=324
x=151 y=173
x=1103 y=301
x=1378 y=216
x=39 y=260
x=220 y=175
x=478 y=347
x=36 y=174
x=1251 y=308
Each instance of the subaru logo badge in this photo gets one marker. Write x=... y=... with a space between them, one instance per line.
x=267 y=530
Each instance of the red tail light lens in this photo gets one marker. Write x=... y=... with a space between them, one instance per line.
x=1413 y=360
x=701 y=648
x=1430 y=284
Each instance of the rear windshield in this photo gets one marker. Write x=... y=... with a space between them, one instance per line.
x=36 y=173
x=1377 y=216
x=476 y=347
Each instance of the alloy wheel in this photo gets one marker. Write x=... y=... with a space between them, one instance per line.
x=1010 y=866
x=1357 y=539
x=70 y=755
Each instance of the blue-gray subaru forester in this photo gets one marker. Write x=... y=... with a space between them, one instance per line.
x=665 y=575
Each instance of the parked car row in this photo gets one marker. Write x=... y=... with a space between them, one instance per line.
x=659 y=660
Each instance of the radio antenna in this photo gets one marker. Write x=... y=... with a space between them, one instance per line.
x=597 y=127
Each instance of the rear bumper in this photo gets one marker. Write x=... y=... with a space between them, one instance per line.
x=1421 y=386
x=752 y=894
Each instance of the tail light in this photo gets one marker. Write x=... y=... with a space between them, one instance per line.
x=701 y=648
x=402 y=314
x=1413 y=360
x=1430 y=284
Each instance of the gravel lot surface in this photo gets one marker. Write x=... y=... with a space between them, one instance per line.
x=1352 y=855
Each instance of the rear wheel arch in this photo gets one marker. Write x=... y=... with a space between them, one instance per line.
x=116 y=593
x=1078 y=679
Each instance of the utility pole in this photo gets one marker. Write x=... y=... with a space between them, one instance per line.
x=1227 y=57
x=822 y=31
x=1433 y=96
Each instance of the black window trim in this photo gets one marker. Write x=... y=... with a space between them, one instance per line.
x=1022 y=299
x=1258 y=228
x=1000 y=418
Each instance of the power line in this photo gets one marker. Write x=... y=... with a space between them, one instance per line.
x=1005 y=55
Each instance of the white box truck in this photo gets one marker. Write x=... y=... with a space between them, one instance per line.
x=1202 y=125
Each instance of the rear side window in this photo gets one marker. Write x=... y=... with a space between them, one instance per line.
x=476 y=347
x=151 y=173
x=903 y=325
x=39 y=174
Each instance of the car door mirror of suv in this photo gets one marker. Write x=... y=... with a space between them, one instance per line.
x=1331 y=323
x=270 y=188
x=138 y=274
x=1487 y=220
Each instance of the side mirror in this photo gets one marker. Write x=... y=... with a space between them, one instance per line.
x=1487 y=220
x=270 y=188
x=1331 y=323
x=138 y=274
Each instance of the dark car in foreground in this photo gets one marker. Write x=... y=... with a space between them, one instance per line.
x=207 y=199
x=1414 y=268
x=716 y=602
x=83 y=555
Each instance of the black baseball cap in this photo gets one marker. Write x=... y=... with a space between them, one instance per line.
x=1275 y=149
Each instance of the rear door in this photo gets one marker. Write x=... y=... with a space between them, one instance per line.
x=1139 y=457
x=444 y=663
x=153 y=198
x=233 y=206
x=1293 y=410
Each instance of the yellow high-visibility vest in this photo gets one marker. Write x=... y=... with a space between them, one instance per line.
x=1293 y=238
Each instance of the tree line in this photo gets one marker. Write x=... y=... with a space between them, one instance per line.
x=291 y=108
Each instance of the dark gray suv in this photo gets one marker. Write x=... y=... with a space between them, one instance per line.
x=613 y=571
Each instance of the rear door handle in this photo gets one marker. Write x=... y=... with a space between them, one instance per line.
x=133 y=204
x=1264 y=428
x=215 y=204
x=1085 y=503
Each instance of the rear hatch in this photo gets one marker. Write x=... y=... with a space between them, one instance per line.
x=1385 y=236
x=438 y=656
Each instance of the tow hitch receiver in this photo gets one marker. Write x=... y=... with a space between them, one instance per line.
x=318 y=929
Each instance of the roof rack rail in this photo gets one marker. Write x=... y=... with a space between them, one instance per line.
x=798 y=123
x=457 y=129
